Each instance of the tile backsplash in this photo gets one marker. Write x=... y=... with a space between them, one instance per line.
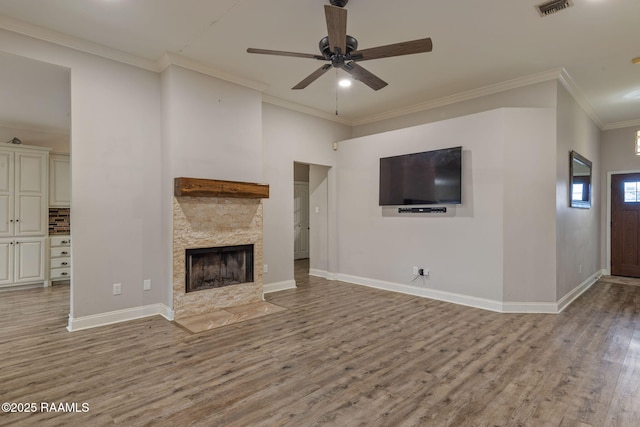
x=59 y=221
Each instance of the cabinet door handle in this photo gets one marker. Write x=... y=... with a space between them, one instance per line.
x=64 y=263
x=64 y=242
x=64 y=253
x=17 y=220
x=10 y=220
x=64 y=273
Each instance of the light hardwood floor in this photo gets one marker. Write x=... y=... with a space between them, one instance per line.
x=340 y=355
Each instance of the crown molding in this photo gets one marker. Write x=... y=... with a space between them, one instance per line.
x=75 y=43
x=303 y=109
x=620 y=125
x=568 y=83
x=463 y=96
x=170 y=58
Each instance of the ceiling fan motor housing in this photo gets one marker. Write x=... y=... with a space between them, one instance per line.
x=339 y=3
x=325 y=49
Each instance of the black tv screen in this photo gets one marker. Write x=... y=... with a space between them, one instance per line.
x=427 y=178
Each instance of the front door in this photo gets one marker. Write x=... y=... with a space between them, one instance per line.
x=625 y=225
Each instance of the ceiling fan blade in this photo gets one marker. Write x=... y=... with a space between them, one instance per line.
x=283 y=53
x=366 y=77
x=312 y=77
x=396 y=49
x=336 y=28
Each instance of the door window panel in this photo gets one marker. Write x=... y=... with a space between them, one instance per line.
x=631 y=191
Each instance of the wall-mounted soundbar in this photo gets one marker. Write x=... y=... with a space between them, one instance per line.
x=422 y=210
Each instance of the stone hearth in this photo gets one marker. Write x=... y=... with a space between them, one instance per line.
x=202 y=222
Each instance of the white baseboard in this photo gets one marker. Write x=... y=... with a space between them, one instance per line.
x=482 y=303
x=530 y=307
x=467 y=300
x=321 y=273
x=267 y=288
x=579 y=290
x=102 y=319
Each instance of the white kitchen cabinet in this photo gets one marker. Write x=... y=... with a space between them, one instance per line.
x=59 y=181
x=23 y=191
x=60 y=258
x=22 y=261
x=24 y=213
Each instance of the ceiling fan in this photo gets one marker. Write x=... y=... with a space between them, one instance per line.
x=342 y=50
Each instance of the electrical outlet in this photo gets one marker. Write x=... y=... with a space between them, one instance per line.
x=117 y=288
x=265 y=268
x=416 y=271
x=146 y=285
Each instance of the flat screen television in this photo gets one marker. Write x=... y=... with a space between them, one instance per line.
x=427 y=178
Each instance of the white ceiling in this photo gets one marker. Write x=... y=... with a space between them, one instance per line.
x=476 y=44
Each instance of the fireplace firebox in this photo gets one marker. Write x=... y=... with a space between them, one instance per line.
x=217 y=267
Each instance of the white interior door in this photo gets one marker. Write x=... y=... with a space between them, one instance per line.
x=301 y=220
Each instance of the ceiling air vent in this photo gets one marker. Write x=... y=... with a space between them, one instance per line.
x=553 y=6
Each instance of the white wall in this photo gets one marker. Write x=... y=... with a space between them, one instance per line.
x=463 y=253
x=578 y=230
x=289 y=137
x=529 y=216
x=115 y=144
x=616 y=155
x=215 y=127
x=498 y=245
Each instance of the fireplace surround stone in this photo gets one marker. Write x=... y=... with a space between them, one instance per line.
x=201 y=222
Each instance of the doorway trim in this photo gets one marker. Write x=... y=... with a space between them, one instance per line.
x=608 y=216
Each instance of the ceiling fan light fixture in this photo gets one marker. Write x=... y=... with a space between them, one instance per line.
x=344 y=83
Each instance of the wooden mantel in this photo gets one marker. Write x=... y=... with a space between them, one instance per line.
x=198 y=187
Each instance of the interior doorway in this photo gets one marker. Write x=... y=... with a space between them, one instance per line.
x=39 y=115
x=625 y=224
x=311 y=221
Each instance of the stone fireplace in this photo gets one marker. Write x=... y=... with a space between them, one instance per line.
x=217 y=240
